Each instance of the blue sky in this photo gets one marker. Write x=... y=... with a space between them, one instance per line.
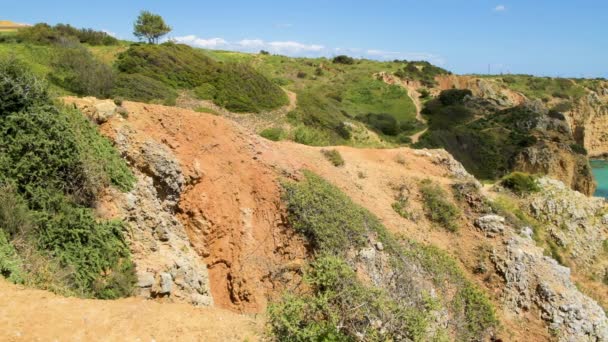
x=554 y=38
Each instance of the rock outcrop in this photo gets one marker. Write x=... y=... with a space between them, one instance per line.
x=167 y=264
x=588 y=119
x=534 y=280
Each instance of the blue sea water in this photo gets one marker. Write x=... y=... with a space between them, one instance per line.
x=600 y=172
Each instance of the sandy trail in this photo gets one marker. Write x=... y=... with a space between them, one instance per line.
x=35 y=315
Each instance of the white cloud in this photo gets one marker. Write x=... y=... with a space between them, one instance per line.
x=500 y=8
x=410 y=56
x=251 y=43
x=299 y=49
x=294 y=47
x=109 y=33
x=211 y=43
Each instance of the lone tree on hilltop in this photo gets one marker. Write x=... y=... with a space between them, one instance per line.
x=150 y=26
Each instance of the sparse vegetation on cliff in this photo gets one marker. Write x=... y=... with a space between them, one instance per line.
x=337 y=304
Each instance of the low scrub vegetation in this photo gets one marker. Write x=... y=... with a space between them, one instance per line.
x=421 y=71
x=520 y=183
x=334 y=157
x=438 y=207
x=337 y=305
x=485 y=141
x=273 y=133
x=53 y=165
x=78 y=71
x=343 y=59
x=63 y=34
x=235 y=86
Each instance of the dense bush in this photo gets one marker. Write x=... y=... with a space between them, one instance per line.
x=137 y=87
x=343 y=59
x=242 y=89
x=576 y=148
x=77 y=70
x=273 y=133
x=383 y=123
x=422 y=71
x=42 y=33
x=18 y=89
x=236 y=87
x=311 y=136
x=437 y=206
x=520 y=183
x=11 y=266
x=453 y=96
x=325 y=216
x=53 y=164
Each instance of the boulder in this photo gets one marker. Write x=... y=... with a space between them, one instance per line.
x=491 y=225
x=166 y=283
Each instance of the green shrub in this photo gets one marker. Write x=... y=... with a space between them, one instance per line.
x=437 y=206
x=11 y=267
x=325 y=216
x=422 y=71
x=15 y=218
x=206 y=91
x=19 y=89
x=520 y=183
x=78 y=71
x=576 y=148
x=424 y=93
x=42 y=33
x=343 y=59
x=53 y=164
x=136 y=87
x=273 y=133
x=237 y=87
x=453 y=96
x=383 y=123
x=341 y=308
x=333 y=156
x=310 y=136
x=400 y=207
x=337 y=305
x=96 y=251
x=242 y=89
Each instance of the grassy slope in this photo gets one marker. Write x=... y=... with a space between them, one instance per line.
x=337 y=93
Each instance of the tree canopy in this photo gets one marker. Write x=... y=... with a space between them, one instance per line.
x=150 y=26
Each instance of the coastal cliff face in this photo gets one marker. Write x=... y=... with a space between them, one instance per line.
x=589 y=121
x=504 y=131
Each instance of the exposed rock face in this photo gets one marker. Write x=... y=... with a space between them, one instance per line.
x=553 y=154
x=491 y=225
x=588 y=119
x=533 y=280
x=558 y=161
x=482 y=88
x=99 y=111
x=167 y=264
x=574 y=221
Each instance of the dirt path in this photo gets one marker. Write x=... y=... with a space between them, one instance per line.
x=254 y=121
x=412 y=91
x=35 y=315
